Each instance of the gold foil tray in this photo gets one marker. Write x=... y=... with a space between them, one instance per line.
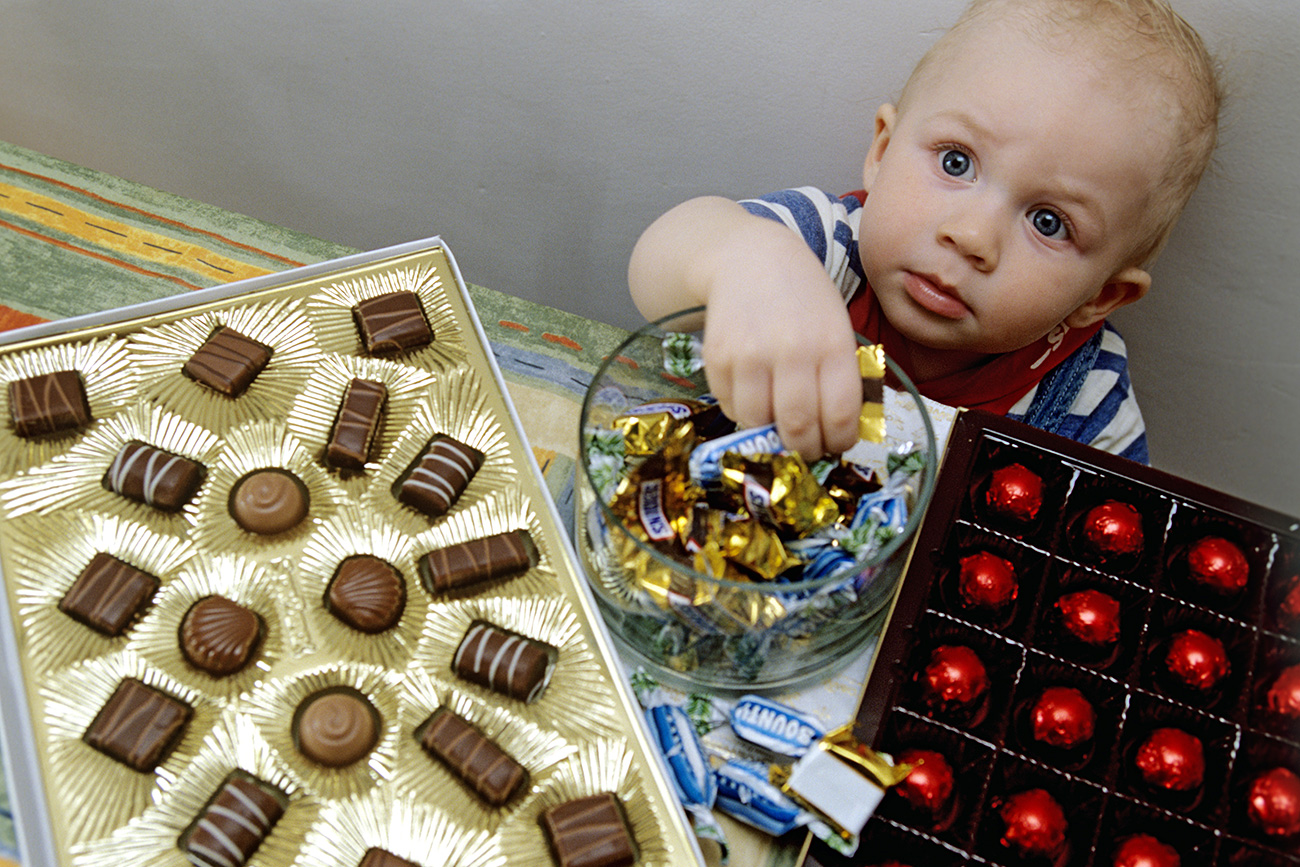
x=77 y=806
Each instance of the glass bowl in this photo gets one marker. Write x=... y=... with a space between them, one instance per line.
x=698 y=631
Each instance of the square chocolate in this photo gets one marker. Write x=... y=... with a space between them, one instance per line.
x=48 y=403
x=138 y=725
x=227 y=362
x=108 y=594
x=589 y=832
x=392 y=323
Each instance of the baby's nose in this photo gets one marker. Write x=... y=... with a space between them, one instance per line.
x=972 y=232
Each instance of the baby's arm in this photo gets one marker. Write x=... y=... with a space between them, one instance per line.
x=778 y=345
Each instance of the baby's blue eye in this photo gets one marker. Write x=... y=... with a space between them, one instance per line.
x=955 y=163
x=1048 y=223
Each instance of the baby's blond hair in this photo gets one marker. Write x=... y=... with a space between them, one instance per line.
x=1146 y=32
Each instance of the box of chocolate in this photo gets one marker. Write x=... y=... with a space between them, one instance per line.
x=283 y=585
x=1089 y=662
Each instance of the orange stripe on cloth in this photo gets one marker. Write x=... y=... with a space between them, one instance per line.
x=150 y=214
x=123 y=238
x=566 y=342
x=94 y=255
x=11 y=319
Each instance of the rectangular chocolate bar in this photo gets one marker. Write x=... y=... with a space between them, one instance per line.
x=392 y=323
x=502 y=661
x=464 y=564
x=357 y=424
x=138 y=725
x=108 y=594
x=589 y=832
x=475 y=759
x=227 y=362
x=154 y=477
x=234 y=823
x=440 y=477
x=48 y=403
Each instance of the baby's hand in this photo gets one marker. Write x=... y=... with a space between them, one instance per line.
x=778 y=346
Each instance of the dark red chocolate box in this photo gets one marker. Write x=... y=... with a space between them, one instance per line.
x=1145 y=674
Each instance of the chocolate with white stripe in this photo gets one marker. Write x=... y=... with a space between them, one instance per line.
x=108 y=594
x=234 y=823
x=354 y=431
x=589 y=832
x=154 y=477
x=138 y=725
x=465 y=564
x=503 y=661
x=440 y=477
x=474 y=758
x=48 y=403
x=227 y=362
x=392 y=323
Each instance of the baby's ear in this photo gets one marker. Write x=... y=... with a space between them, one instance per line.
x=1124 y=288
x=885 y=117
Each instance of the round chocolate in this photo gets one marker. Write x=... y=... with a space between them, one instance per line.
x=928 y=787
x=1171 y=759
x=987 y=581
x=1034 y=824
x=218 y=635
x=1090 y=616
x=1015 y=492
x=1113 y=529
x=367 y=594
x=269 y=501
x=1273 y=802
x=954 y=676
x=1283 y=696
x=1143 y=850
x=1062 y=717
x=1196 y=660
x=1217 y=565
x=1288 y=611
x=336 y=728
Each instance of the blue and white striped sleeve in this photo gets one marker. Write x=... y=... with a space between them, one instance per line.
x=828 y=224
x=1104 y=413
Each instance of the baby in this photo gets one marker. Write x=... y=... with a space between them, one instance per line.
x=1032 y=169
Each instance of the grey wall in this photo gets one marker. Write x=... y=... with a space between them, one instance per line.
x=540 y=138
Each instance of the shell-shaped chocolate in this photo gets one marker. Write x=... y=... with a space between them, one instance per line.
x=219 y=636
x=367 y=594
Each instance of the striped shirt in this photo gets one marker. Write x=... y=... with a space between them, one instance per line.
x=1087 y=398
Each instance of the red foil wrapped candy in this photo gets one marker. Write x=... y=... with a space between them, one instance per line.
x=1171 y=759
x=1062 y=717
x=1114 y=529
x=987 y=581
x=1288 y=612
x=1283 y=696
x=1217 y=565
x=928 y=786
x=1273 y=802
x=1034 y=824
x=1015 y=492
x=1197 y=660
x=954 y=677
x=1143 y=850
x=1090 y=616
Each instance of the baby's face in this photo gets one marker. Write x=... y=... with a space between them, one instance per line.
x=1009 y=190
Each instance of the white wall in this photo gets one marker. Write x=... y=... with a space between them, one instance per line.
x=539 y=138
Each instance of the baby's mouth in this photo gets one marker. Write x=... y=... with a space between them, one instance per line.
x=933 y=295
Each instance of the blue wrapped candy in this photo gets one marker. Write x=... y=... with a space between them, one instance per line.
x=681 y=748
x=705 y=462
x=744 y=793
x=775 y=726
